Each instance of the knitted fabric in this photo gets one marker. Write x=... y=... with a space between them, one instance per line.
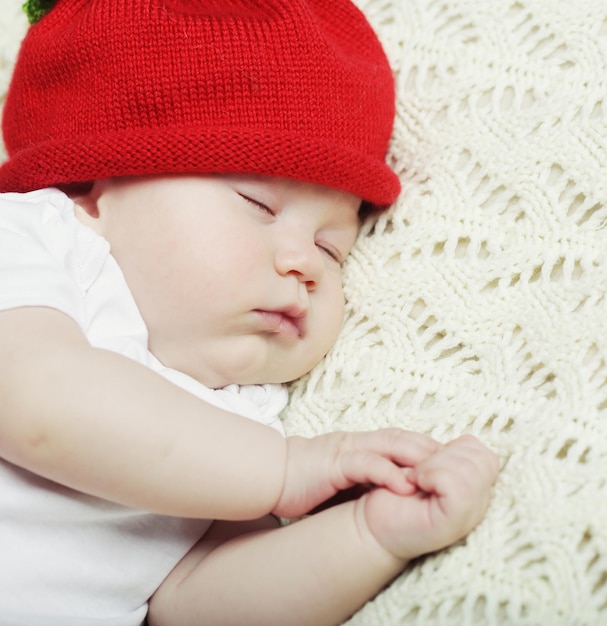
x=293 y=89
x=478 y=304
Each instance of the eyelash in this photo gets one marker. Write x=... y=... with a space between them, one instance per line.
x=332 y=255
x=260 y=205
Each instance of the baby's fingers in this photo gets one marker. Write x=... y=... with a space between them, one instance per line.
x=403 y=447
x=365 y=467
x=378 y=457
x=478 y=455
x=463 y=466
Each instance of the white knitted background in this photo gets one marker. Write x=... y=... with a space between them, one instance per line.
x=479 y=303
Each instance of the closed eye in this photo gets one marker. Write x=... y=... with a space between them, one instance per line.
x=330 y=252
x=256 y=203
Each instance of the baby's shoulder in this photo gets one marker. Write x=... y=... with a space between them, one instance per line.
x=24 y=212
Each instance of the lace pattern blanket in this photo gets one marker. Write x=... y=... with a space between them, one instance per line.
x=478 y=304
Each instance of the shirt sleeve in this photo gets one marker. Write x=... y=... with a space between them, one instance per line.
x=40 y=257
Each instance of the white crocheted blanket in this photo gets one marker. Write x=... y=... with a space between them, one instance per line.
x=478 y=304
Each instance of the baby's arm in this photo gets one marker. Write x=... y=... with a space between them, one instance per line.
x=103 y=424
x=314 y=572
x=320 y=570
x=98 y=422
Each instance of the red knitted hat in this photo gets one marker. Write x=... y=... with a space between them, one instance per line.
x=294 y=88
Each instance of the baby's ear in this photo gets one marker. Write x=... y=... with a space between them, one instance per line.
x=85 y=195
x=368 y=210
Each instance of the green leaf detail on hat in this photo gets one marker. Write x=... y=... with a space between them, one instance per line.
x=37 y=9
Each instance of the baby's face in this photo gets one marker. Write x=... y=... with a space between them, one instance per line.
x=238 y=278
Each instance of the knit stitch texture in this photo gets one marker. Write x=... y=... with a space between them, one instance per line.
x=208 y=86
x=478 y=304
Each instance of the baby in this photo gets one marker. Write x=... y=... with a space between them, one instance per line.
x=185 y=180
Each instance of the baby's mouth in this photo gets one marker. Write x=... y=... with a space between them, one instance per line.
x=287 y=322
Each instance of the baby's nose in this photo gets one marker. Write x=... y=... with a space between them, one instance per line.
x=303 y=260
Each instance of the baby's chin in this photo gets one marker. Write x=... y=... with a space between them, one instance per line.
x=250 y=378
x=238 y=375
x=247 y=360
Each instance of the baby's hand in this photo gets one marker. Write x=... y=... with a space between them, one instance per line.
x=453 y=493
x=319 y=467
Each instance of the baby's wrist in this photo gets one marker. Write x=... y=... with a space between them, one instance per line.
x=370 y=540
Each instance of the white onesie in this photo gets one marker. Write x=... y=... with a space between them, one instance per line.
x=67 y=558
